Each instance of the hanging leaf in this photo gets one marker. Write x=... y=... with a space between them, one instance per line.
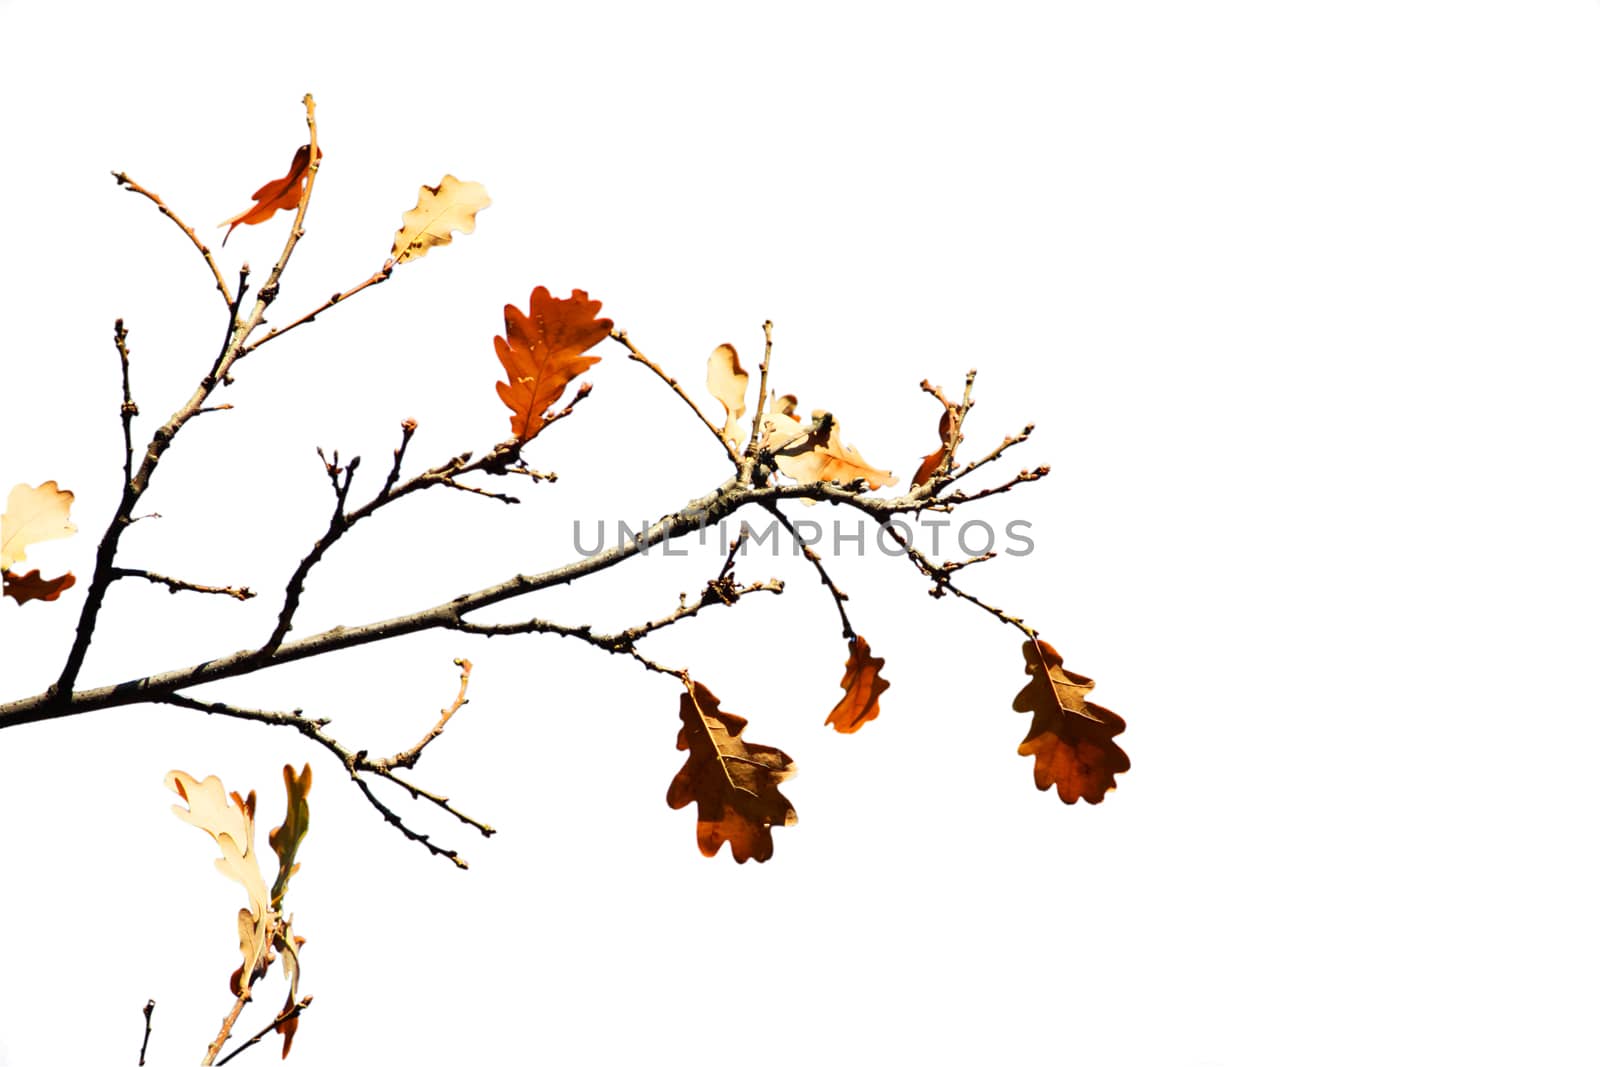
x=734 y=782
x=449 y=206
x=1070 y=738
x=280 y=194
x=728 y=382
x=543 y=351
x=863 y=684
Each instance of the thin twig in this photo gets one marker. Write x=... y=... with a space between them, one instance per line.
x=717 y=591
x=998 y=451
x=291 y=1012
x=939 y=574
x=356 y=763
x=408 y=758
x=134 y=187
x=149 y=1010
x=378 y=278
x=175 y=585
x=119 y=334
x=621 y=337
x=761 y=403
x=839 y=595
x=227 y=1029
x=958 y=497
x=497 y=460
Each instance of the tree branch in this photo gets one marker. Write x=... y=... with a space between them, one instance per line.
x=227 y=1029
x=134 y=187
x=378 y=278
x=144 y=1046
x=293 y=1011
x=175 y=585
x=839 y=595
x=408 y=758
x=693 y=516
x=129 y=409
x=621 y=336
x=133 y=488
x=939 y=574
x=356 y=762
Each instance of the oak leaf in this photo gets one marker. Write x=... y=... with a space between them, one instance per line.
x=734 y=782
x=815 y=452
x=863 y=684
x=288 y=945
x=285 y=840
x=33 y=514
x=231 y=823
x=542 y=351
x=728 y=382
x=26 y=587
x=450 y=205
x=280 y=194
x=1070 y=738
x=947 y=441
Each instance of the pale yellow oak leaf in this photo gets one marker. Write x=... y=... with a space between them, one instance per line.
x=452 y=205
x=729 y=383
x=231 y=823
x=33 y=514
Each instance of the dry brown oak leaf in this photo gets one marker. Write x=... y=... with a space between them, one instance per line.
x=542 y=351
x=1070 y=738
x=815 y=453
x=280 y=194
x=33 y=514
x=25 y=587
x=734 y=782
x=863 y=684
x=451 y=205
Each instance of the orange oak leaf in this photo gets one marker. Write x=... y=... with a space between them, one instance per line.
x=734 y=782
x=815 y=452
x=26 y=587
x=947 y=443
x=33 y=513
x=1070 y=738
x=728 y=382
x=863 y=684
x=543 y=351
x=280 y=194
x=451 y=205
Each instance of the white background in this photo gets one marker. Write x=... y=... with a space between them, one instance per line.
x=1300 y=297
